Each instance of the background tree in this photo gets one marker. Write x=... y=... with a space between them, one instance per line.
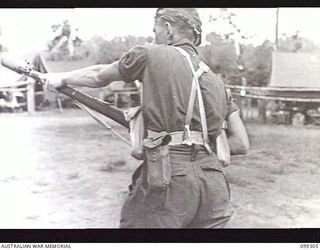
x=66 y=45
x=230 y=55
x=2 y=47
x=258 y=63
x=104 y=51
x=220 y=55
x=297 y=43
x=227 y=48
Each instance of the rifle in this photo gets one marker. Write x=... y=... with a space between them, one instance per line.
x=102 y=107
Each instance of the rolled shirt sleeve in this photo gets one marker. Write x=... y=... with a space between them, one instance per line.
x=232 y=106
x=132 y=63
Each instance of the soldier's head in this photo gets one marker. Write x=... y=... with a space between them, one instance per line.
x=174 y=24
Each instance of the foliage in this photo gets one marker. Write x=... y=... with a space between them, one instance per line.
x=231 y=58
x=255 y=62
x=2 y=47
x=297 y=44
x=66 y=45
x=104 y=51
x=228 y=54
x=220 y=55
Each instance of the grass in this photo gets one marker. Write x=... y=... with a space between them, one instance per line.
x=69 y=172
x=280 y=173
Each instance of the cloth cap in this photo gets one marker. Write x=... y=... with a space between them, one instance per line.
x=187 y=16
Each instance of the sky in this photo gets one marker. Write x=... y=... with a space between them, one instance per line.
x=25 y=30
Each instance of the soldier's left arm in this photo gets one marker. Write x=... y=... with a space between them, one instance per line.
x=237 y=135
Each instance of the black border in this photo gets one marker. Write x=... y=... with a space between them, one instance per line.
x=311 y=235
x=156 y=3
x=160 y=235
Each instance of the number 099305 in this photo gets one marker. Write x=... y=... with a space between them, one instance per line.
x=310 y=246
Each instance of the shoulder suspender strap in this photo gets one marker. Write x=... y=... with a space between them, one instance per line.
x=195 y=88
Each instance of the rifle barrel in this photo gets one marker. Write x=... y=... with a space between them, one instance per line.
x=98 y=105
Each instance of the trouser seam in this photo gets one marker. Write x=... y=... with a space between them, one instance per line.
x=196 y=175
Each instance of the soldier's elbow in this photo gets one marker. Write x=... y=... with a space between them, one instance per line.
x=240 y=146
x=245 y=147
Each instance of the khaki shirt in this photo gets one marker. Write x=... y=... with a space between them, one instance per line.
x=167 y=80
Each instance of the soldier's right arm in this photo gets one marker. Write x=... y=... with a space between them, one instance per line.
x=94 y=76
x=129 y=68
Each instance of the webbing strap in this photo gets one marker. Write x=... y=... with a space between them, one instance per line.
x=195 y=88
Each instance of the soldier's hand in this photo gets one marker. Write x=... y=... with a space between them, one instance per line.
x=53 y=81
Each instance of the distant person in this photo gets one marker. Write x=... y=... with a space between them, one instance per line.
x=181 y=183
x=271 y=111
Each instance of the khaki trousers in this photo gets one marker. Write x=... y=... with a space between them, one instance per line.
x=198 y=195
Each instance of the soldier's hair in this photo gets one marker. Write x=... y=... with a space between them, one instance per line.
x=185 y=20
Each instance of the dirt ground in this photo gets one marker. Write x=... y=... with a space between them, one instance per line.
x=67 y=171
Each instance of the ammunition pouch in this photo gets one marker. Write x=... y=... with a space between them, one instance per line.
x=157 y=162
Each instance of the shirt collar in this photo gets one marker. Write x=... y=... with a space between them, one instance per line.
x=185 y=44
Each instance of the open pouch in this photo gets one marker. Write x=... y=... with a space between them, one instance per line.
x=223 y=149
x=136 y=125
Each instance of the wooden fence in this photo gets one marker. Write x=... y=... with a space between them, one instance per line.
x=26 y=88
x=253 y=101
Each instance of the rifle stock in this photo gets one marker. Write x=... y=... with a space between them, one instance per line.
x=100 y=106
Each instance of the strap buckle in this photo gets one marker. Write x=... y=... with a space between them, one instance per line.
x=187 y=135
x=204 y=67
